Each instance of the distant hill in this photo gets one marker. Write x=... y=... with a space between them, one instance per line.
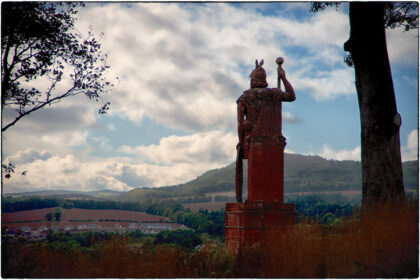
x=302 y=174
x=68 y=194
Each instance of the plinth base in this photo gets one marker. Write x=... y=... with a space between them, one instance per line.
x=251 y=222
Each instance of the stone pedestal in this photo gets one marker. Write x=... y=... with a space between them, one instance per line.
x=266 y=169
x=252 y=222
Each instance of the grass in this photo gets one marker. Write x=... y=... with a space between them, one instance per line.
x=383 y=243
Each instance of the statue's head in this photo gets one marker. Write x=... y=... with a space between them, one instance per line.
x=258 y=76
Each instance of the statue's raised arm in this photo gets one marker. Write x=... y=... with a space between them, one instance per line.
x=289 y=93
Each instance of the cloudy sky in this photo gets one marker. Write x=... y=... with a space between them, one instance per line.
x=181 y=67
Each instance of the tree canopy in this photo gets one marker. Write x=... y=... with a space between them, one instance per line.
x=42 y=53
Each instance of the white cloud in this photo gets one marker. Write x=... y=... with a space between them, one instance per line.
x=175 y=160
x=342 y=154
x=287 y=117
x=64 y=172
x=102 y=142
x=58 y=128
x=403 y=46
x=27 y=156
x=73 y=113
x=327 y=85
x=183 y=64
x=213 y=147
x=71 y=139
x=410 y=150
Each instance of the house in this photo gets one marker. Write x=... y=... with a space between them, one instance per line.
x=81 y=227
x=42 y=228
x=68 y=228
x=26 y=229
x=132 y=226
x=11 y=234
x=92 y=226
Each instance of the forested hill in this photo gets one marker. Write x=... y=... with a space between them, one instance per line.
x=302 y=174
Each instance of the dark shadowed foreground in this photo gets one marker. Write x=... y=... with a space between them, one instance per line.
x=383 y=244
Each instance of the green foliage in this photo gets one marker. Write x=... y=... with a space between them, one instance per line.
x=67 y=204
x=10 y=204
x=329 y=218
x=313 y=173
x=49 y=216
x=66 y=241
x=316 y=207
x=194 y=191
x=402 y=14
x=57 y=214
x=183 y=238
x=203 y=221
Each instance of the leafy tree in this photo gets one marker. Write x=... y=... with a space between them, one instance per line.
x=67 y=204
x=7 y=169
x=57 y=214
x=39 y=43
x=380 y=121
x=184 y=238
x=49 y=216
x=329 y=218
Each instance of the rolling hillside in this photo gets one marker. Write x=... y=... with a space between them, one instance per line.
x=302 y=174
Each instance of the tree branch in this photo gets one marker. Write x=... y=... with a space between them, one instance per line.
x=30 y=45
x=43 y=104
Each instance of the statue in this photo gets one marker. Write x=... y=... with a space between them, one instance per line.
x=261 y=142
x=260 y=137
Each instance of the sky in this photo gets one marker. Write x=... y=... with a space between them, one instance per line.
x=181 y=68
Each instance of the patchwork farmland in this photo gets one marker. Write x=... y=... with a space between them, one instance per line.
x=71 y=218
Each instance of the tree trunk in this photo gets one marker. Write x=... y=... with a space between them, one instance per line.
x=380 y=121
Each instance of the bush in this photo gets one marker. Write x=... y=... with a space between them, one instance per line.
x=57 y=214
x=49 y=216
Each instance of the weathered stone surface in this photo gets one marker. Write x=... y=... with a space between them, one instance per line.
x=262 y=143
x=252 y=222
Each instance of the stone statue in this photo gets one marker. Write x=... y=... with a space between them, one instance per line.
x=260 y=137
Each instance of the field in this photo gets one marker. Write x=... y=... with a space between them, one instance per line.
x=382 y=243
x=210 y=206
x=36 y=218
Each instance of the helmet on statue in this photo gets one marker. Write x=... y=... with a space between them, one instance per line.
x=258 y=76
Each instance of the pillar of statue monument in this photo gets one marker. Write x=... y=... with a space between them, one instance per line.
x=266 y=153
x=262 y=143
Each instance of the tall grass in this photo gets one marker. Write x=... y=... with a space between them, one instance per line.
x=383 y=243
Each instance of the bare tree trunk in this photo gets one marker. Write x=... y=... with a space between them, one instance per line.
x=380 y=121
